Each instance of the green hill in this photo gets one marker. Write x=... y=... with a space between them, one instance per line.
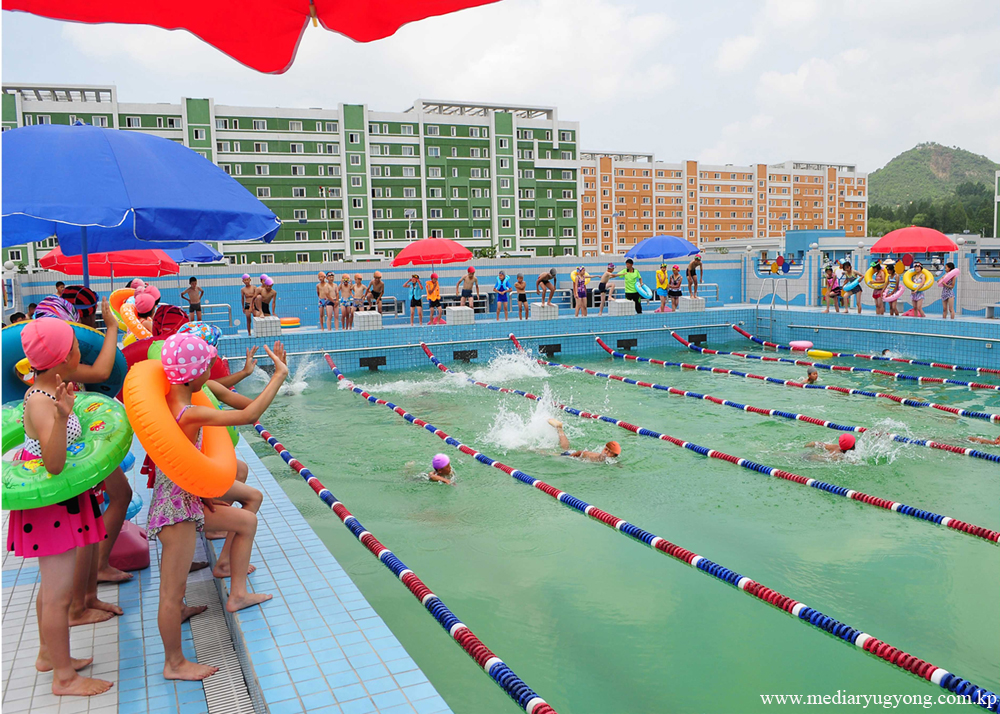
x=927 y=171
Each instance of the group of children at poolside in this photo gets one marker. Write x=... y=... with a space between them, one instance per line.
x=72 y=539
x=339 y=301
x=885 y=283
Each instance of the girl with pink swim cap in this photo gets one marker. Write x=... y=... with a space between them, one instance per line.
x=441 y=469
x=55 y=534
x=175 y=516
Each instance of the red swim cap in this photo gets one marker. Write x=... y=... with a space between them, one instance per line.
x=846 y=442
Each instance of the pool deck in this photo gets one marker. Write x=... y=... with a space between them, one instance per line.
x=317 y=646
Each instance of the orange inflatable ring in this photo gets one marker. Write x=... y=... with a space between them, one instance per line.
x=131 y=319
x=116 y=299
x=207 y=473
x=291 y=322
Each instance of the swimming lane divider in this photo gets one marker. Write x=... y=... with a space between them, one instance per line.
x=941 y=677
x=895 y=506
x=498 y=671
x=947 y=448
x=879 y=358
x=905 y=401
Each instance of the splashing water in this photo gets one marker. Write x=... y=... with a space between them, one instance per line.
x=511 y=430
x=446 y=382
x=876 y=446
x=295 y=383
x=508 y=366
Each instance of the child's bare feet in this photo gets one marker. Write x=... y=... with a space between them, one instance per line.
x=556 y=423
x=215 y=535
x=222 y=570
x=42 y=664
x=112 y=575
x=80 y=686
x=89 y=616
x=191 y=671
x=96 y=604
x=189 y=611
x=234 y=603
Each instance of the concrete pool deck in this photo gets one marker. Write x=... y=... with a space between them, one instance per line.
x=317 y=646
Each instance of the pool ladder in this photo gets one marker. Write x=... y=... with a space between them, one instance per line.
x=765 y=324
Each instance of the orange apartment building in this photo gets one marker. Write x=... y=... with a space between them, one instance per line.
x=625 y=198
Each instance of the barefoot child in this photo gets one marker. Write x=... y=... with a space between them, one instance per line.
x=604 y=287
x=441 y=469
x=832 y=290
x=522 y=298
x=502 y=289
x=674 y=287
x=54 y=533
x=546 y=283
x=948 y=293
x=323 y=301
x=248 y=294
x=433 y=300
x=333 y=296
x=416 y=298
x=345 y=294
x=359 y=294
x=376 y=289
x=175 y=515
x=917 y=296
x=267 y=297
x=891 y=287
x=193 y=295
x=466 y=284
x=695 y=272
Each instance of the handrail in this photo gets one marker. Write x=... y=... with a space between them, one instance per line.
x=229 y=312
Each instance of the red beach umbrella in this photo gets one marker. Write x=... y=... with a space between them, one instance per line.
x=430 y=251
x=914 y=239
x=262 y=34
x=149 y=263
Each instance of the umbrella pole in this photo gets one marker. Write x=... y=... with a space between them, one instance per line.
x=83 y=256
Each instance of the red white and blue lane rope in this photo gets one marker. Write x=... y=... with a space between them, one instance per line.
x=792 y=416
x=932 y=673
x=985 y=533
x=879 y=358
x=905 y=401
x=498 y=671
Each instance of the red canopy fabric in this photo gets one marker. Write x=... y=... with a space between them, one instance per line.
x=150 y=263
x=262 y=34
x=914 y=239
x=432 y=250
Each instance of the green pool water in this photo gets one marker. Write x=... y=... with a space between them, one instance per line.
x=596 y=622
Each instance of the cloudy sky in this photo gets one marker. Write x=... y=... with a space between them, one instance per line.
x=725 y=82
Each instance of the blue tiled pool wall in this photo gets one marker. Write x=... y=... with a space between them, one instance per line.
x=296 y=283
x=399 y=348
x=974 y=292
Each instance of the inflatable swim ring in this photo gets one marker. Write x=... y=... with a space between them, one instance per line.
x=572 y=277
x=131 y=319
x=853 y=284
x=949 y=276
x=896 y=295
x=91 y=341
x=116 y=299
x=644 y=291
x=928 y=280
x=207 y=473
x=870 y=280
x=134 y=506
x=800 y=345
x=106 y=439
x=287 y=322
x=819 y=354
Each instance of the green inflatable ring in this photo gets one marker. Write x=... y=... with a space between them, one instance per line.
x=156 y=351
x=107 y=437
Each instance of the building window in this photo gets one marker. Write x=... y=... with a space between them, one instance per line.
x=298 y=192
x=299 y=214
x=97 y=121
x=437 y=233
x=434 y=151
x=406 y=129
x=297 y=148
x=355 y=159
x=355 y=181
x=262 y=169
x=354 y=137
x=359 y=224
x=298 y=170
x=260 y=147
x=260 y=125
x=411 y=234
x=130 y=122
x=301 y=235
x=433 y=130
x=408 y=150
x=409 y=193
x=198 y=134
x=14 y=254
x=357 y=203
x=435 y=213
x=263 y=192
x=267 y=257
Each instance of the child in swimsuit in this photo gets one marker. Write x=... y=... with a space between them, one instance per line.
x=695 y=272
x=433 y=300
x=546 y=283
x=175 y=516
x=145 y=306
x=580 y=290
x=502 y=289
x=948 y=293
x=611 y=450
x=674 y=288
x=605 y=287
x=466 y=284
x=267 y=296
x=359 y=292
x=346 y=300
x=891 y=288
x=333 y=296
x=917 y=296
x=55 y=533
x=878 y=287
x=416 y=298
x=248 y=294
x=522 y=298
x=662 y=283
x=322 y=301
x=845 y=443
x=193 y=295
x=441 y=469
x=832 y=290
x=376 y=288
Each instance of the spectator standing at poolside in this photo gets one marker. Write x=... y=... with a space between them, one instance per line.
x=433 y=287
x=416 y=298
x=580 y=290
x=695 y=272
x=376 y=289
x=662 y=286
x=850 y=275
x=917 y=296
x=333 y=295
x=60 y=286
x=891 y=286
x=948 y=293
x=322 y=300
x=546 y=282
x=193 y=296
x=605 y=286
x=632 y=278
x=466 y=284
x=522 y=297
x=248 y=295
x=674 y=287
x=267 y=296
x=346 y=296
x=502 y=289
x=359 y=293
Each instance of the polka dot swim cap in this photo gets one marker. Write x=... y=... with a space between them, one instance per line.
x=209 y=333
x=186 y=357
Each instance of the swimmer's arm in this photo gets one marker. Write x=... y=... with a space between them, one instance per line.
x=105 y=362
x=441 y=479
x=814 y=444
x=227 y=396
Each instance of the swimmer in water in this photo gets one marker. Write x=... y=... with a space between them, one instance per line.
x=441 y=469
x=611 y=450
x=983 y=440
x=812 y=376
x=845 y=443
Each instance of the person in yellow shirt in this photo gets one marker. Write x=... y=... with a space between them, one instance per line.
x=662 y=282
x=434 y=299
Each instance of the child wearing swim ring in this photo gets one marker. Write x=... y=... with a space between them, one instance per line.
x=175 y=516
x=916 y=296
x=441 y=469
x=54 y=533
x=948 y=293
x=832 y=290
x=891 y=286
x=878 y=293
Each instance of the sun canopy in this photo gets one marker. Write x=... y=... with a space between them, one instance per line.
x=662 y=247
x=430 y=251
x=914 y=239
x=137 y=263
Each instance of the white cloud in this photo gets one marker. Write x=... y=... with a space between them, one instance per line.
x=735 y=53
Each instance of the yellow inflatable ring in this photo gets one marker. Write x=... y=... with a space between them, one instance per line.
x=207 y=473
x=928 y=280
x=819 y=354
x=129 y=339
x=869 y=280
x=116 y=299
x=572 y=278
x=131 y=319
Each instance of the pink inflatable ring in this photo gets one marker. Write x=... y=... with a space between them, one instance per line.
x=800 y=345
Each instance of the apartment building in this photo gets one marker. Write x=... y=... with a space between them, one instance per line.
x=355 y=183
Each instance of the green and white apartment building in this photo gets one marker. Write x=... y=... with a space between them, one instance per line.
x=352 y=183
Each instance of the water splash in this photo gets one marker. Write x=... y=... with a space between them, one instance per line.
x=295 y=384
x=509 y=366
x=512 y=430
x=446 y=382
x=875 y=446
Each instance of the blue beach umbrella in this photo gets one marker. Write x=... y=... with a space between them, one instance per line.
x=194 y=253
x=662 y=247
x=102 y=190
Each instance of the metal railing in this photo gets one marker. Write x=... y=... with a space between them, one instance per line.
x=208 y=313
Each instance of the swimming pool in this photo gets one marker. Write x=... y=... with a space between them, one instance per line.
x=598 y=624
